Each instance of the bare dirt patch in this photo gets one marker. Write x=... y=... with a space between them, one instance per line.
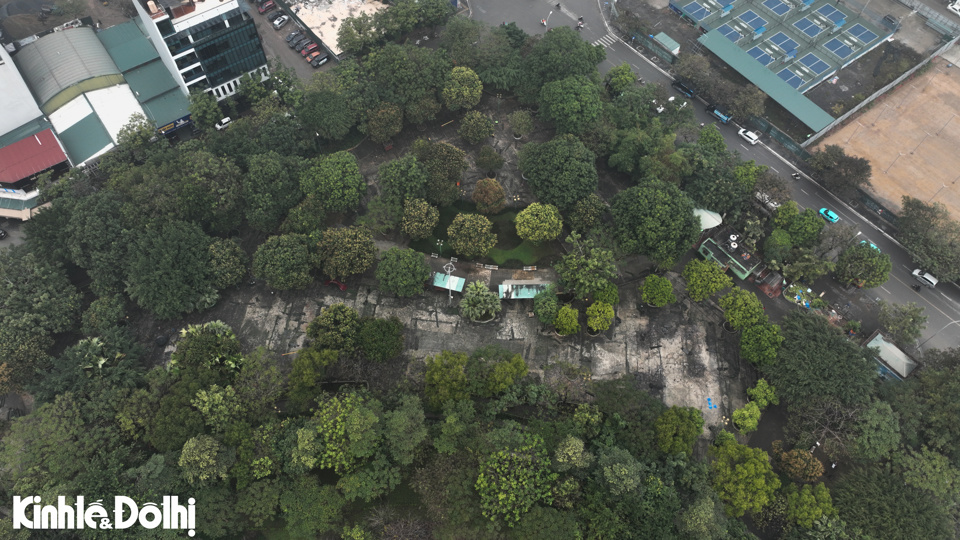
x=911 y=136
x=23 y=15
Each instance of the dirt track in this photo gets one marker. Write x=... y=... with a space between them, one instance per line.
x=911 y=137
x=25 y=23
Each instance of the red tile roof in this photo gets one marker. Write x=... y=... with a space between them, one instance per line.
x=29 y=156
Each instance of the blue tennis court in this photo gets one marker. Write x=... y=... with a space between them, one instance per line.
x=730 y=33
x=860 y=32
x=696 y=11
x=784 y=42
x=814 y=63
x=832 y=13
x=791 y=78
x=760 y=55
x=776 y=6
x=755 y=21
x=808 y=27
x=838 y=48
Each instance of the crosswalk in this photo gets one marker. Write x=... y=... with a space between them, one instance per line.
x=605 y=41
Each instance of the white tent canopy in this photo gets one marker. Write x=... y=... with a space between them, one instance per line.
x=708 y=219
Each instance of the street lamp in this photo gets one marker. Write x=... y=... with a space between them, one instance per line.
x=937 y=332
x=449 y=268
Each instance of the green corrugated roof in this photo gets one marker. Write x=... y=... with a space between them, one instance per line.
x=85 y=138
x=127 y=45
x=668 y=42
x=166 y=108
x=30 y=128
x=149 y=81
x=18 y=204
x=793 y=101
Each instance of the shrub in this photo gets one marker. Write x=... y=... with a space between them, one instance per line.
x=607 y=293
x=539 y=222
x=521 y=122
x=546 y=305
x=228 y=263
x=657 y=291
x=419 y=218
x=104 y=313
x=586 y=213
x=471 y=235
x=489 y=196
x=479 y=302
x=475 y=127
x=381 y=339
x=599 y=316
x=568 y=321
x=488 y=160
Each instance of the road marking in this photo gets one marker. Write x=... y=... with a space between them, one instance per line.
x=744 y=147
x=804 y=192
x=605 y=41
x=774 y=170
x=885 y=290
x=481 y=10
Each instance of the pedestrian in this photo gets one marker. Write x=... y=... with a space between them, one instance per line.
x=701 y=125
x=558 y=5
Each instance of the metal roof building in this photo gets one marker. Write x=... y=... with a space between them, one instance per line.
x=19 y=108
x=892 y=362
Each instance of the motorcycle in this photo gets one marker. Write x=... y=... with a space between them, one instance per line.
x=796 y=176
x=915 y=288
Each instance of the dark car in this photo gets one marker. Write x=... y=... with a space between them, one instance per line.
x=298 y=40
x=274 y=16
x=320 y=60
x=294 y=35
x=266 y=6
x=683 y=89
x=304 y=44
x=3 y=234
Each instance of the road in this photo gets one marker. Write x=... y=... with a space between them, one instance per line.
x=941 y=305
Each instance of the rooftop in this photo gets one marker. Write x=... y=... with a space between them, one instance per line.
x=521 y=289
x=30 y=156
x=19 y=106
x=891 y=355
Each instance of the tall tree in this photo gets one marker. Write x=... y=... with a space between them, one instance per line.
x=462 y=90
x=402 y=179
x=931 y=237
x=515 y=478
x=419 y=218
x=840 y=173
x=402 y=272
x=445 y=165
x=271 y=188
x=336 y=180
x=655 y=219
x=863 y=266
x=326 y=112
x=742 y=309
x=345 y=251
x=560 y=171
x=561 y=53
x=586 y=268
x=573 y=104
x=471 y=235
x=678 y=430
x=284 y=262
x=539 y=222
x=904 y=323
x=743 y=477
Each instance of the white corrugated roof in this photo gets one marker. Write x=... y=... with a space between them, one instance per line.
x=893 y=356
x=71 y=113
x=115 y=106
x=19 y=106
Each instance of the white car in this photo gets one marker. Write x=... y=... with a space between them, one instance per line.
x=954 y=7
x=280 y=22
x=222 y=124
x=749 y=136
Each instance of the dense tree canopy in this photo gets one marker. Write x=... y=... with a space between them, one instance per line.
x=560 y=171
x=345 y=251
x=655 y=219
x=471 y=235
x=402 y=272
x=284 y=262
x=336 y=180
x=931 y=236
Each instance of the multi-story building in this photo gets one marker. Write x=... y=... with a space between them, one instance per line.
x=208 y=44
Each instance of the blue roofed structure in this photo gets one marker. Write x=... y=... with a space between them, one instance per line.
x=784 y=47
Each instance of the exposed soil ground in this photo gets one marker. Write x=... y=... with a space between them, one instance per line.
x=22 y=15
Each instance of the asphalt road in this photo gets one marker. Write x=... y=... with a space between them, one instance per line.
x=941 y=305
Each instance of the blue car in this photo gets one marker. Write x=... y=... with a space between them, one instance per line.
x=828 y=215
x=871 y=244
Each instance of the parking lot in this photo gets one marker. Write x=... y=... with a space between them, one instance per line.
x=276 y=47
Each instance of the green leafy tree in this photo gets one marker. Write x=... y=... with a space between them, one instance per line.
x=471 y=235
x=560 y=171
x=335 y=328
x=445 y=165
x=742 y=308
x=704 y=279
x=539 y=222
x=446 y=379
x=619 y=471
x=403 y=179
x=747 y=418
x=742 y=477
x=220 y=407
x=804 y=264
x=404 y=430
x=657 y=291
x=310 y=509
x=419 y=218
x=840 y=173
x=381 y=339
x=103 y=314
x=463 y=89
x=342 y=434
x=804 y=227
x=586 y=268
x=358 y=34
x=475 y=127
x=777 y=246
x=864 y=266
x=876 y=432
x=326 y=112
x=798 y=464
x=203 y=459
x=309 y=367
x=931 y=236
x=521 y=122
x=619 y=78
x=479 y=302
x=904 y=323
x=567 y=321
x=346 y=251
x=544 y=64
x=384 y=122
x=489 y=196
x=599 y=316
x=808 y=503
x=571 y=453
x=817 y=362
x=204 y=110
x=513 y=479
x=572 y=104
x=383 y=215
x=608 y=293
x=306 y=218
x=207 y=345
x=546 y=305
x=96 y=239
x=168 y=270
x=228 y=263
x=402 y=272
x=284 y=262
x=677 y=430
x=488 y=160
x=422 y=110
x=336 y=180
x=655 y=219
x=271 y=188
x=36 y=294
x=763 y=394
x=586 y=213
x=930 y=471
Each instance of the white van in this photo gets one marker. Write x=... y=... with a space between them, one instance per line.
x=954 y=7
x=925 y=278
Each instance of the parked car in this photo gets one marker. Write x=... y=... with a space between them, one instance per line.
x=304 y=44
x=312 y=55
x=266 y=6
x=320 y=60
x=871 y=244
x=296 y=34
x=222 y=124
x=683 y=89
x=280 y=22
x=829 y=215
x=274 y=16
x=309 y=49
x=749 y=136
x=298 y=40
